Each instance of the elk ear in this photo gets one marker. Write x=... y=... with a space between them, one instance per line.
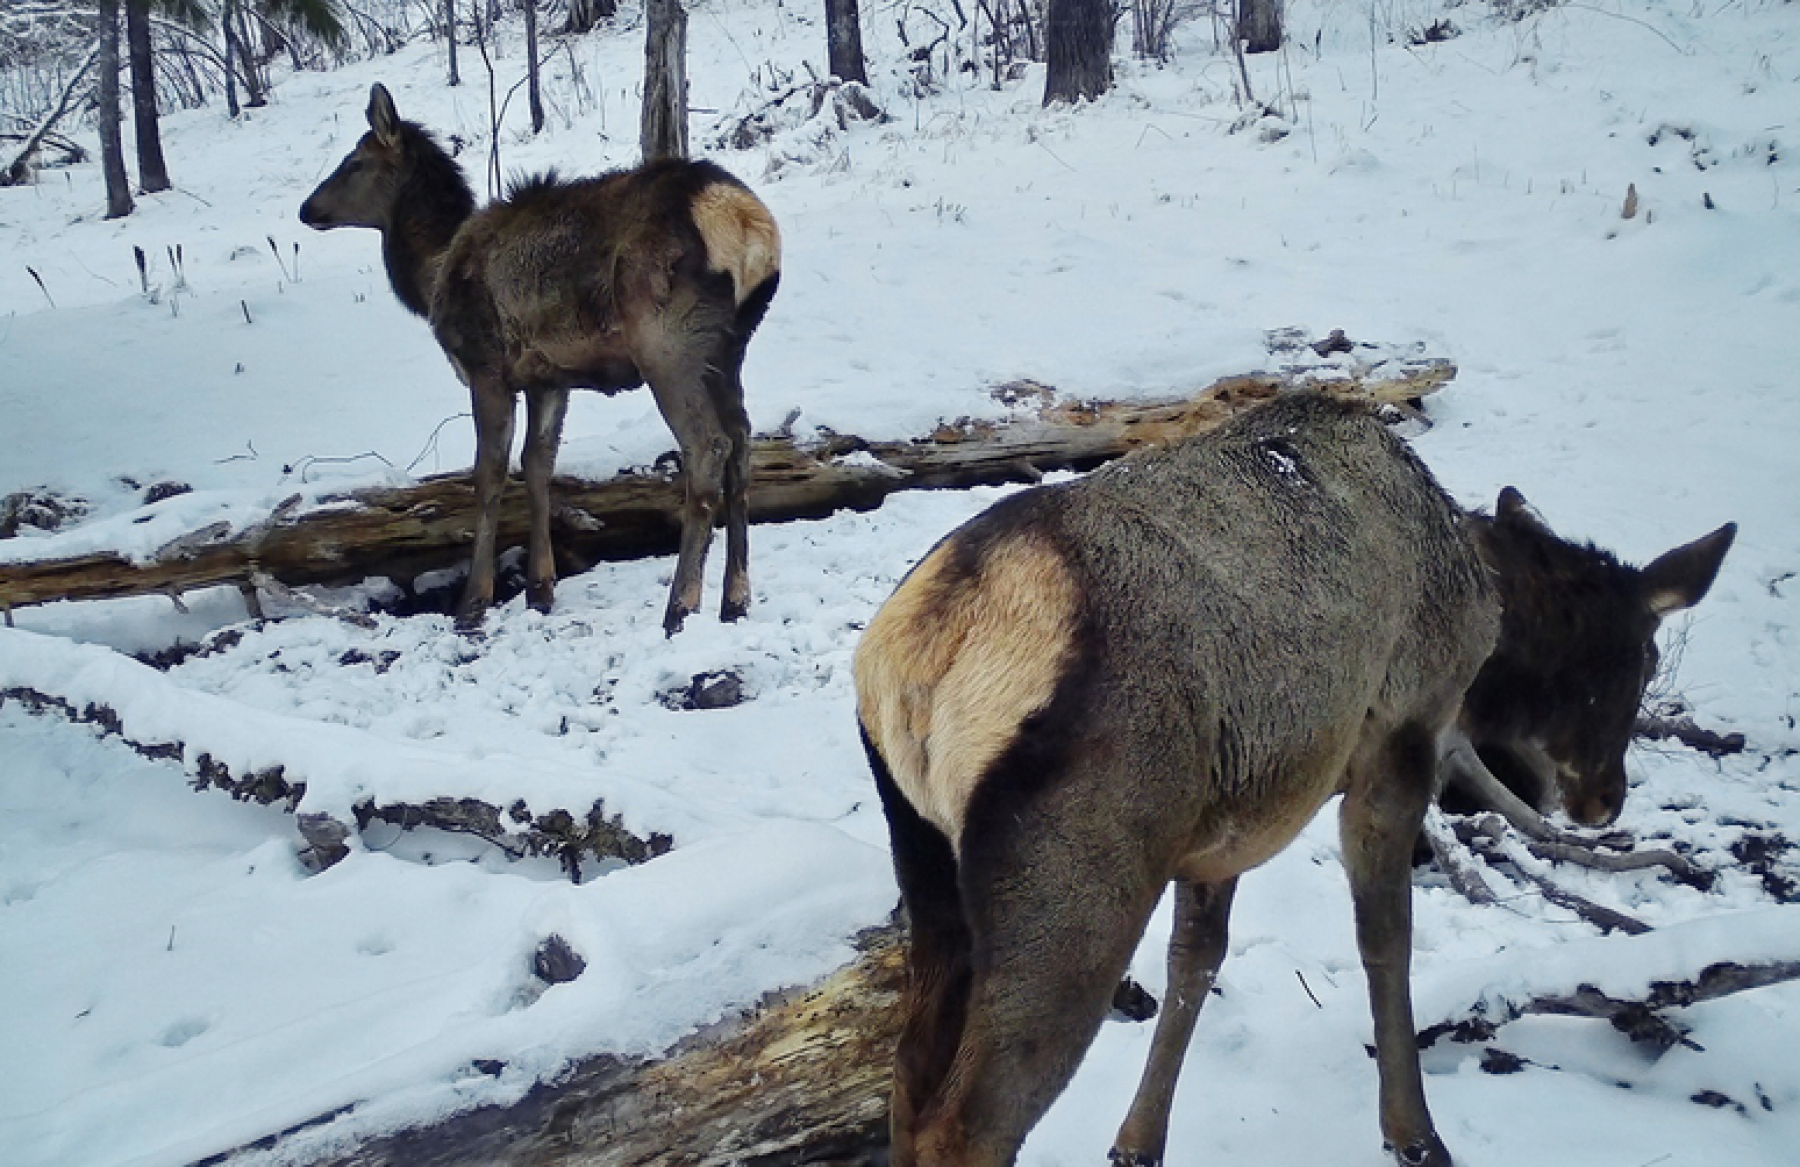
x=1680 y=578
x=1512 y=510
x=382 y=118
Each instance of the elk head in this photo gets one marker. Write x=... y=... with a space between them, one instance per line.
x=1553 y=710
x=365 y=188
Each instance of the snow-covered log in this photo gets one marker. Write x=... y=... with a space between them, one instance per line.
x=805 y=1077
x=403 y=532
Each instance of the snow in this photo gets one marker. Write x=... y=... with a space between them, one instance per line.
x=173 y=983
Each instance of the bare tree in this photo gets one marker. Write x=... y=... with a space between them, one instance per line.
x=450 y=39
x=664 y=127
x=843 y=36
x=585 y=14
x=1078 y=34
x=533 y=89
x=1259 y=25
x=112 y=145
x=153 y=172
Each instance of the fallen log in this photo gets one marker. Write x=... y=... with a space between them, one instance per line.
x=804 y=1079
x=801 y=1079
x=571 y=837
x=402 y=532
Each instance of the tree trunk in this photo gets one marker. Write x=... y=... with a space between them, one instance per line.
x=112 y=145
x=1079 y=34
x=256 y=94
x=843 y=36
x=401 y=532
x=1259 y=25
x=450 y=40
x=664 y=130
x=231 y=97
x=585 y=14
x=153 y=172
x=533 y=91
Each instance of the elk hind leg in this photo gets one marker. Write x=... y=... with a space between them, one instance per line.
x=1052 y=925
x=677 y=375
x=1196 y=950
x=544 y=410
x=937 y=959
x=1389 y=789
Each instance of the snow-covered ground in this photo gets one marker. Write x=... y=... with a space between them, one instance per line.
x=172 y=981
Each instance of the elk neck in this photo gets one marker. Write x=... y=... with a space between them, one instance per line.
x=432 y=204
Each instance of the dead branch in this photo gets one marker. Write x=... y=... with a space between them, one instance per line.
x=1452 y=860
x=1684 y=730
x=567 y=836
x=1638 y=1018
x=1464 y=766
x=401 y=532
x=1485 y=835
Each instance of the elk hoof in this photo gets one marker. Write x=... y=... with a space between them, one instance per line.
x=732 y=610
x=541 y=596
x=469 y=616
x=1120 y=1158
x=673 y=619
x=1426 y=1152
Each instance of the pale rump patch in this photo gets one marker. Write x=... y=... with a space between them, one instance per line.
x=740 y=234
x=949 y=668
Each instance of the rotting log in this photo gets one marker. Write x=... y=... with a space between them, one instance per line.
x=401 y=532
x=803 y=1078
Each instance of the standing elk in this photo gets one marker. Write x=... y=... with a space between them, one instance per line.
x=657 y=274
x=1159 y=674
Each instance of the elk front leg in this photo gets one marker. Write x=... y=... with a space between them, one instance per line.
x=493 y=407
x=544 y=412
x=1196 y=949
x=1383 y=810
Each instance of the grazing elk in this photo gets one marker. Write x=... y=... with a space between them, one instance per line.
x=658 y=274
x=1160 y=673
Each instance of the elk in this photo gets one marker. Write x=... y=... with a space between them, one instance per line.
x=658 y=274
x=1158 y=674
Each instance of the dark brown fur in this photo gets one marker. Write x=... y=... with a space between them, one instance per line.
x=1262 y=618
x=1553 y=709
x=658 y=274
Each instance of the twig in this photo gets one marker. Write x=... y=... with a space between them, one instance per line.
x=308 y=462
x=1685 y=731
x=40 y=284
x=431 y=440
x=1631 y=20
